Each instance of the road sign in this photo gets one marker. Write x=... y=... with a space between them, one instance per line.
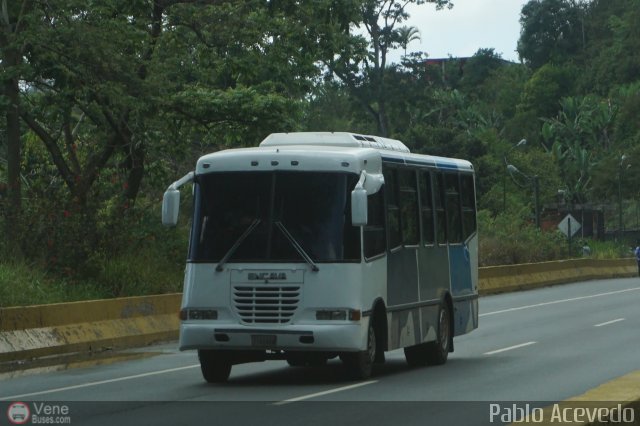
x=569 y=223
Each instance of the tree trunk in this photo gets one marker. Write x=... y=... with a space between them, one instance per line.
x=14 y=190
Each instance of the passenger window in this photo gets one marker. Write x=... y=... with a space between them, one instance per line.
x=441 y=218
x=468 y=205
x=393 y=209
x=454 y=215
x=375 y=239
x=426 y=207
x=408 y=197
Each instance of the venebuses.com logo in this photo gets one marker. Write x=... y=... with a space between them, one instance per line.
x=18 y=413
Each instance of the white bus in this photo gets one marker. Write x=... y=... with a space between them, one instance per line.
x=321 y=245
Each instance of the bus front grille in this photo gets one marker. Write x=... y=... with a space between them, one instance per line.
x=266 y=304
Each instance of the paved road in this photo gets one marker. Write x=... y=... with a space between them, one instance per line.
x=532 y=347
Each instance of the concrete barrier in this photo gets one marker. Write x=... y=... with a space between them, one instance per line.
x=90 y=326
x=501 y=279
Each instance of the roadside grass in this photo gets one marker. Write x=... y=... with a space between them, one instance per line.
x=133 y=273
x=24 y=284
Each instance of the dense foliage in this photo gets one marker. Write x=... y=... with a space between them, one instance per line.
x=104 y=106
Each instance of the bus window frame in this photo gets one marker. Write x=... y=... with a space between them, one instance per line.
x=414 y=174
x=448 y=214
x=473 y=208
x=425 y=177
x=383 y=206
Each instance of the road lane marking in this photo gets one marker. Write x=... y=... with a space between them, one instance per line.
x=609 y=322
x=327 y=392
x=522 y=345
x=101 y=382
x=555 y=302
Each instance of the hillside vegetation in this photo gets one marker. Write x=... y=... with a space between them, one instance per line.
x=103 y=107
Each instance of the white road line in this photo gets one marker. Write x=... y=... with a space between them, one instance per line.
x=327 y=392
x=554 y=302
x=609 y=322
x=101 y=382
x=497 y=351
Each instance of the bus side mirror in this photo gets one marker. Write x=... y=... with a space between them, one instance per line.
x=359 y=207
x=170 y=207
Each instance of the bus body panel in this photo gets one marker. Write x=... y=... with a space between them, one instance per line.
x=402 y=277
x=433 y=276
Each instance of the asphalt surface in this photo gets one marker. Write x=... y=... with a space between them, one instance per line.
x=533 y=347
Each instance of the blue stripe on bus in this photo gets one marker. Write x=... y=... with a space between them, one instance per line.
x=460 y=270
x=446 y=165
x=437 y=163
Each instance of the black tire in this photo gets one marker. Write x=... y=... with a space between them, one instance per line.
x=215 y=365
x=360 y=364
x=437 y=352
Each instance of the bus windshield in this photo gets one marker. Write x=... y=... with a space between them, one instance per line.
x=263 y=216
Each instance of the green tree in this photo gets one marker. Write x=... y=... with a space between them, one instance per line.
x=543 y=91
x=552 y=31
x=14 y=21
x=577 y=140
x=479 y=68
x=123 y=91
x=406 y=35
x=612 y=55
x=361 y=61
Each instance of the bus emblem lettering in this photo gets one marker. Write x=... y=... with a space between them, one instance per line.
x=267 y=276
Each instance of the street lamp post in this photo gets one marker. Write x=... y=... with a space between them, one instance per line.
x=535 y=185
x=504 y=175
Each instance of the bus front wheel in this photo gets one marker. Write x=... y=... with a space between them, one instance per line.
x=360 y=364
x=215 y=365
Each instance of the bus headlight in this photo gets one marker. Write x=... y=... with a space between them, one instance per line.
x=336 y=315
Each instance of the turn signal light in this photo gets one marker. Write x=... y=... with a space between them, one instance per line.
x=339 y=315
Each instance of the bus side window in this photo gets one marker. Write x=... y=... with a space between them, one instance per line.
x=393 y=210
x=441 y=218
x=408 y=198
x=375 y=239
x=426 y=206
x=468 y=205
x=454 y=214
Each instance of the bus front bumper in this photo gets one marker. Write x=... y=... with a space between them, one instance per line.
x=330 y=337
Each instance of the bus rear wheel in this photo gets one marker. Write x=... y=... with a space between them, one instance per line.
x=215 y=365
x=360 y=364
x=437 y=352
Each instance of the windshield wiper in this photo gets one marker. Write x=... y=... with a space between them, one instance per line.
x=297 y=246
x=235 y=246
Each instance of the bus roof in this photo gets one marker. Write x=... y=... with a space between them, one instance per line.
x=392 y=150
x=343 y=139
x=323 y=151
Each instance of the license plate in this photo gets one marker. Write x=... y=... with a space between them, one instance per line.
x=263 y=340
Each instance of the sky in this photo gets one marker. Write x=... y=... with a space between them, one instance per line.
x=469 y=26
